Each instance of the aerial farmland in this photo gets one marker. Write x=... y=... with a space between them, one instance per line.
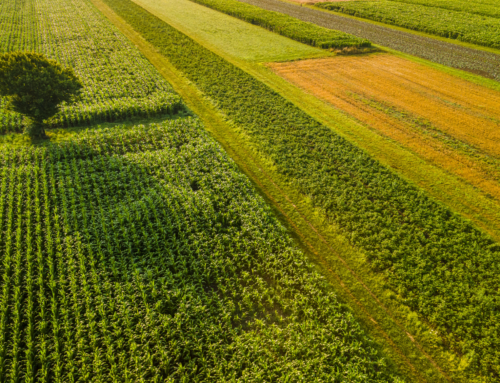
x=250 y=191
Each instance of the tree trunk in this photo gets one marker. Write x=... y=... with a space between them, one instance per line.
x=37 y=130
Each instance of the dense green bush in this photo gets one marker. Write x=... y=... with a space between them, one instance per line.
x=438 y=263
x=468 y=27
x=285 y=25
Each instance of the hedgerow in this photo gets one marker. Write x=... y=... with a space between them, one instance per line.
x=144 y=254
x=468 y=27
x=119 y=83
x=439 y=264
x=285 y=25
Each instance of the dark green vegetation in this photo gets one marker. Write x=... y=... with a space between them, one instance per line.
x=438 y=264
x=426 y=16
x=291 y=27
x=119 y=83
x=36 y=86
x=144 y=254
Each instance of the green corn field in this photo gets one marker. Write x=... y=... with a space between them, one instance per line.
x=119 y=83
x=143 y=254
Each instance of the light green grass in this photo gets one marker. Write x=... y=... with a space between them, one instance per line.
x=236 y=38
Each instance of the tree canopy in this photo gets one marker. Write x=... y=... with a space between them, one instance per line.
x=36 y=86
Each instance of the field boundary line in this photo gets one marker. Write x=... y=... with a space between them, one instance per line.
x=165 y=68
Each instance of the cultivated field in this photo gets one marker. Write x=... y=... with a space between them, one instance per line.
x=476 y=23
x=393 y=222
x=143 y=253
x=140 y=252
x=232 y=214
x=118 y=82
x=448 y=121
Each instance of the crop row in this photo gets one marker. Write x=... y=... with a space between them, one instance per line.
x=144 y=254
x=119 y=83
x=467 y=27
x=438 y=263
x=489 y=8
x=285 y=25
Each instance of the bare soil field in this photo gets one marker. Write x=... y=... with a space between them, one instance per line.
x=450 y=122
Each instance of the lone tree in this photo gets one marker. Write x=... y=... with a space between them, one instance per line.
x=36 y=86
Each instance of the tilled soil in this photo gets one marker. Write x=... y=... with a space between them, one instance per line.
x=479 y=62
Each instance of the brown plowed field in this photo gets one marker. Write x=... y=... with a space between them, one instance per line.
x=450 y=122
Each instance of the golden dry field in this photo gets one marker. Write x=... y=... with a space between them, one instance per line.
x=448 y=121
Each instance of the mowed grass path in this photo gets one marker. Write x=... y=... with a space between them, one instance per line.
x=235 y=37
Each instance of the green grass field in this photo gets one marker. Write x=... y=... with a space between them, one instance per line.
x=238 y=38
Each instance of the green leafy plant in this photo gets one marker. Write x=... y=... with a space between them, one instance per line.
x=36 y=87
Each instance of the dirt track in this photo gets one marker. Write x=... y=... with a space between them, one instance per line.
x=480 y=62
x=449 y=122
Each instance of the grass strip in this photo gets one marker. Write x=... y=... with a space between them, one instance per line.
x=285 y=25
x=437 y=263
